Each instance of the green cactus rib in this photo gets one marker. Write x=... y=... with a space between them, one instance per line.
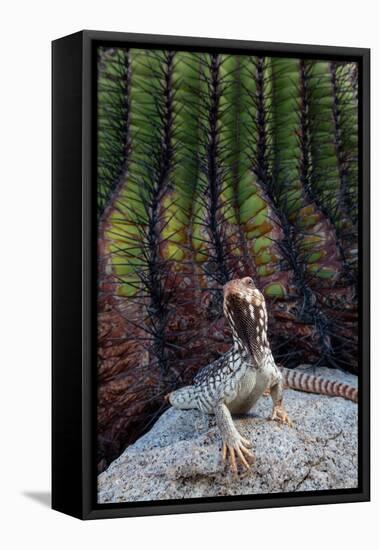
x=236 y=105
x=345 y=114
x=293 y=168
x=210 y=219
x=285 y=77
x=185 y=172
x=113 y=142
x=304 y=128
x=345 y=118
x=255 y=210
x=325 y=175
x=332 y=204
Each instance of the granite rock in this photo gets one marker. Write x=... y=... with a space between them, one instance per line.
x=180 y=456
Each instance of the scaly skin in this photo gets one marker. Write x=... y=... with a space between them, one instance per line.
x=234 y=382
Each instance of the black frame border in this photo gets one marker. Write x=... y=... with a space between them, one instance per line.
x=74 y=487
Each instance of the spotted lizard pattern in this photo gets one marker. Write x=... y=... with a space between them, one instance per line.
x=233 y=383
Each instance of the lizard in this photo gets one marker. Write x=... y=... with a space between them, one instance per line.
x=233 y=383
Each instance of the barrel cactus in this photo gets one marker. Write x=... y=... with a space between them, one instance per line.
x=210 y=167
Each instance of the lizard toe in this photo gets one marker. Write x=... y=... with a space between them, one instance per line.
x=236 y=452
x=246 y=443
x=280 y=415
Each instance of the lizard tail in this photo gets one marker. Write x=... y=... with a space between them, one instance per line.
x=315 y=384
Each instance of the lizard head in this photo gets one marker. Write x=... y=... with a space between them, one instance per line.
x=245 y=309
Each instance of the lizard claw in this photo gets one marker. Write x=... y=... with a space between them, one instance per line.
x=235 y=450
x=280 y=415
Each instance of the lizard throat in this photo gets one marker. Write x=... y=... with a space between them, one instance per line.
x=248 y=322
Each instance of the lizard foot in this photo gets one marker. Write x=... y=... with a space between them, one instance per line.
x=280 y=415
x=235 y=449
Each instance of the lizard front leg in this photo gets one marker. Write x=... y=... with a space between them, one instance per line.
x=234 y=446
x=279 y=413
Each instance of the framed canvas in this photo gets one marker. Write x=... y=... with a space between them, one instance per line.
x=210 y=275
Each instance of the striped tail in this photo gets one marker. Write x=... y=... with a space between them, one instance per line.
x=315 y=384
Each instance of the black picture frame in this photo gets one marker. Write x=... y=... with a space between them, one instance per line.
x=74 y=275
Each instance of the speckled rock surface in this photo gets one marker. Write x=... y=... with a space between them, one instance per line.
x=180 y=456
